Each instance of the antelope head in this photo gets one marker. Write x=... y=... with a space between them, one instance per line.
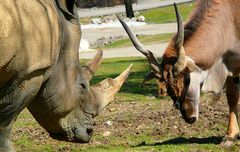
x=174 y=74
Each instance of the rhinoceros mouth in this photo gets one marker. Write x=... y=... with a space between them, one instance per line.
x=78 y=135
x=59 y=136
x=62 y=137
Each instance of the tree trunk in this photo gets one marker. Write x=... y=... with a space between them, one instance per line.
x=129 y=9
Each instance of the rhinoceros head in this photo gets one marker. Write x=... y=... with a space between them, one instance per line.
x=66 y=103
x=78 y=124
x=67 y=111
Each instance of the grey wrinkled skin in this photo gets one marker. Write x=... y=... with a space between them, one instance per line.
x=40 y=70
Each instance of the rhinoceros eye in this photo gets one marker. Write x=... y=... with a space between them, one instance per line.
x=83 y=86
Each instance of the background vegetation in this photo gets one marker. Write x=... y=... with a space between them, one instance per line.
x=167 y=14
x=141 y=121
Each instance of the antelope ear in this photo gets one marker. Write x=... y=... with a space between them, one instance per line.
x=192 y=66
x=66 y=6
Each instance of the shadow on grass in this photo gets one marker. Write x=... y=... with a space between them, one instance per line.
x=182 y=140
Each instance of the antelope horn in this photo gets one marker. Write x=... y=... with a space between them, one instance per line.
x=150 y=56
x=149 y=77
x=107 y=89
x=182 y=61
x=92 y=66
x=180 y=30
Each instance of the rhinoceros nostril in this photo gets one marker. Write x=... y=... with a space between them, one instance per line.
x=83 y=86
x=89 y=132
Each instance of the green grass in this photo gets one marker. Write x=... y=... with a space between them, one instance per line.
x=131 y=90
x=26 y=130
x=145 y=39
x=167 y=14
x=158 y=15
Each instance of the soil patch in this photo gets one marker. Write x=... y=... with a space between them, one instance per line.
x=122 y=122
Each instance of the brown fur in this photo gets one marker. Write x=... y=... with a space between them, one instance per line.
x=212 y=34
x=197 y=17
x=212 y=39
x=207 y=24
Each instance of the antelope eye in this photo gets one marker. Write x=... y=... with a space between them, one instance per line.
x=177 y=105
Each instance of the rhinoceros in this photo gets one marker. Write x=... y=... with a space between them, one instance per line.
x=40 y=70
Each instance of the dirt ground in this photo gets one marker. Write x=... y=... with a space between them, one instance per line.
x=128 y=120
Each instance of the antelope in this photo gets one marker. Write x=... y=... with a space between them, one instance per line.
x=210 y=39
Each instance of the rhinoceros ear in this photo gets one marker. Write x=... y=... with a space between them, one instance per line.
x=66 y=6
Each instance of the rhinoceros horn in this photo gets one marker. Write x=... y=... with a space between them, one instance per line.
x=107 y=89
x=91 y=67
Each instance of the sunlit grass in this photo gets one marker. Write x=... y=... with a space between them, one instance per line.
x=167 y=14
x=145 y=39
x=158 y=15
x=25 y=128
